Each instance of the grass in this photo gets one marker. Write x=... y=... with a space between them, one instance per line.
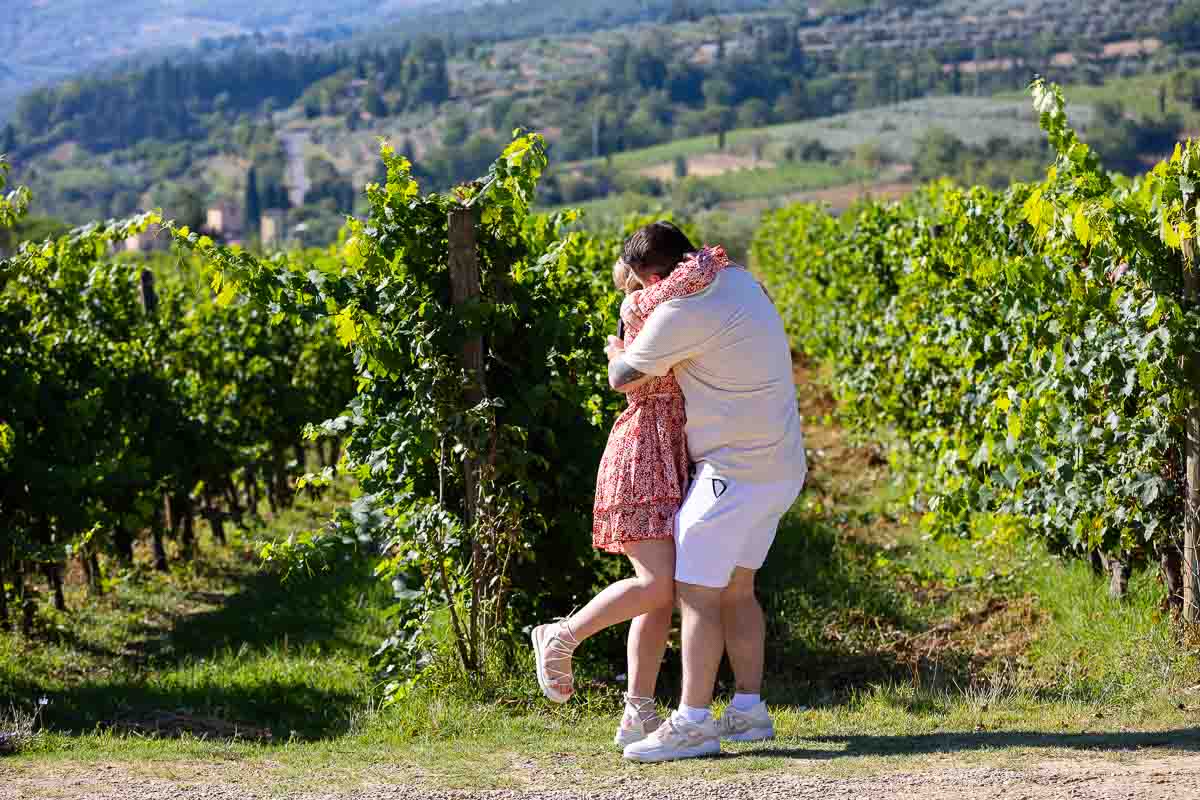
x=888 y=651
x=215 y=648
x=784 y=179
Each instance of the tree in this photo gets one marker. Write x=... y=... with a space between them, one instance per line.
x=408 y=151
x=681 y=11
x=681 y=167
x=329 y=188
x=456 y=131
x=753 y=113
x=185 y=205
x=1185 y=88
x=8 y=139
x=253 y=206
x=939 y=154
x=1182 y=27
x=718 y=92
x=645 y=69
x=428 y=73
x=373 y=103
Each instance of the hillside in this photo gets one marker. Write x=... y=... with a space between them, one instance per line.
x=675 y=81
x=44 y=42
x=47 y=42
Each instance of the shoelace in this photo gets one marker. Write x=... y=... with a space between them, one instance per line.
x=561 y=646
x=668 y=731
x=732 y=720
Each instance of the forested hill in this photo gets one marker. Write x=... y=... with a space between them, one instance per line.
x=170 y=102
x=46 y=42
x=261 y=119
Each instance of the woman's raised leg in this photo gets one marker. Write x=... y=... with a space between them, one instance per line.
x=651 y=589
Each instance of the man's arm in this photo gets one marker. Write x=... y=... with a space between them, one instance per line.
x=678 y=330
x=621 y=376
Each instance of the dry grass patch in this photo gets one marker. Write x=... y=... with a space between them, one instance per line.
x=708 y=165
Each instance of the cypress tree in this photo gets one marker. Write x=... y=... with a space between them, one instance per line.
x=253 y=206
x=374 y=103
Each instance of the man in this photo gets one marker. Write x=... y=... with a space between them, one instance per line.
x=730 y=353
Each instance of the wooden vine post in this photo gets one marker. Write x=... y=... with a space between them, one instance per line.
x=465 y=287
x=147 y=296
x=1191 y=523
x=149 y=300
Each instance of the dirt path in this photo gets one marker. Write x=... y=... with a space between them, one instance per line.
x=1084 y=778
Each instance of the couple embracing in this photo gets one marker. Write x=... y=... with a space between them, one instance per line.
x=697 y=474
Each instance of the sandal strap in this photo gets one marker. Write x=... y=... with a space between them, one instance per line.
x=565 y=634
x=644 y=707
x=560 y=647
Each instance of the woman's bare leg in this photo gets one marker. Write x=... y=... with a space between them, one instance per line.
x=652 y=588
x=647 y=644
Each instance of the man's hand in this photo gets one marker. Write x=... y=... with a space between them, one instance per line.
x=621 y=376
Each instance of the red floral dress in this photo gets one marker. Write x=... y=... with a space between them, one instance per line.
x=644 y=472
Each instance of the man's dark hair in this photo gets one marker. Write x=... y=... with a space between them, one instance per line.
x=656 y=249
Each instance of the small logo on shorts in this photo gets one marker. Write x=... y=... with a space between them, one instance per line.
x=719 y=487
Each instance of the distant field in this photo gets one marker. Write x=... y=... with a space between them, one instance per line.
x=1139 y=95
x=786 y=178
x=745 y=189
x=895 y=129
x=735 y=187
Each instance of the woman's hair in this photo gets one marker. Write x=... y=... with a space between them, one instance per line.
x=624 y=277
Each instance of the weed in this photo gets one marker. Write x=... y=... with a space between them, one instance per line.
x=19 y=729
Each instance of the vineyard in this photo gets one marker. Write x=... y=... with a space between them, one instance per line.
x=998 y=386
x=138 y=402
x=1034 y=349
x=134 y=403
x=480 y=410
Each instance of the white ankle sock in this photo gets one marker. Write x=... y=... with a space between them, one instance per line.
x=694 y=715
x=745 y=702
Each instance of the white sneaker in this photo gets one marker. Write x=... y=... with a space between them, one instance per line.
x=639 y=721
x=677 y=738
x=754 y=725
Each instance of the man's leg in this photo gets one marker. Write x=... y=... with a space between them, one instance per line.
x=703 y=642
x=745 y=631
x=691 y=731
x=747 y=718
x=707 y=547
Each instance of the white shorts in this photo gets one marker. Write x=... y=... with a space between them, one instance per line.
x=724 y=524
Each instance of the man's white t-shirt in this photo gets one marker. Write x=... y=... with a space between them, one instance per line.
x=731 y=356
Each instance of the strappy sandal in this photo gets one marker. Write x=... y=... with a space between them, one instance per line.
x=554 y=647
x=639 y=720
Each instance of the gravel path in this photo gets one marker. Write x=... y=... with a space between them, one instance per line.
x=1079 y=779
